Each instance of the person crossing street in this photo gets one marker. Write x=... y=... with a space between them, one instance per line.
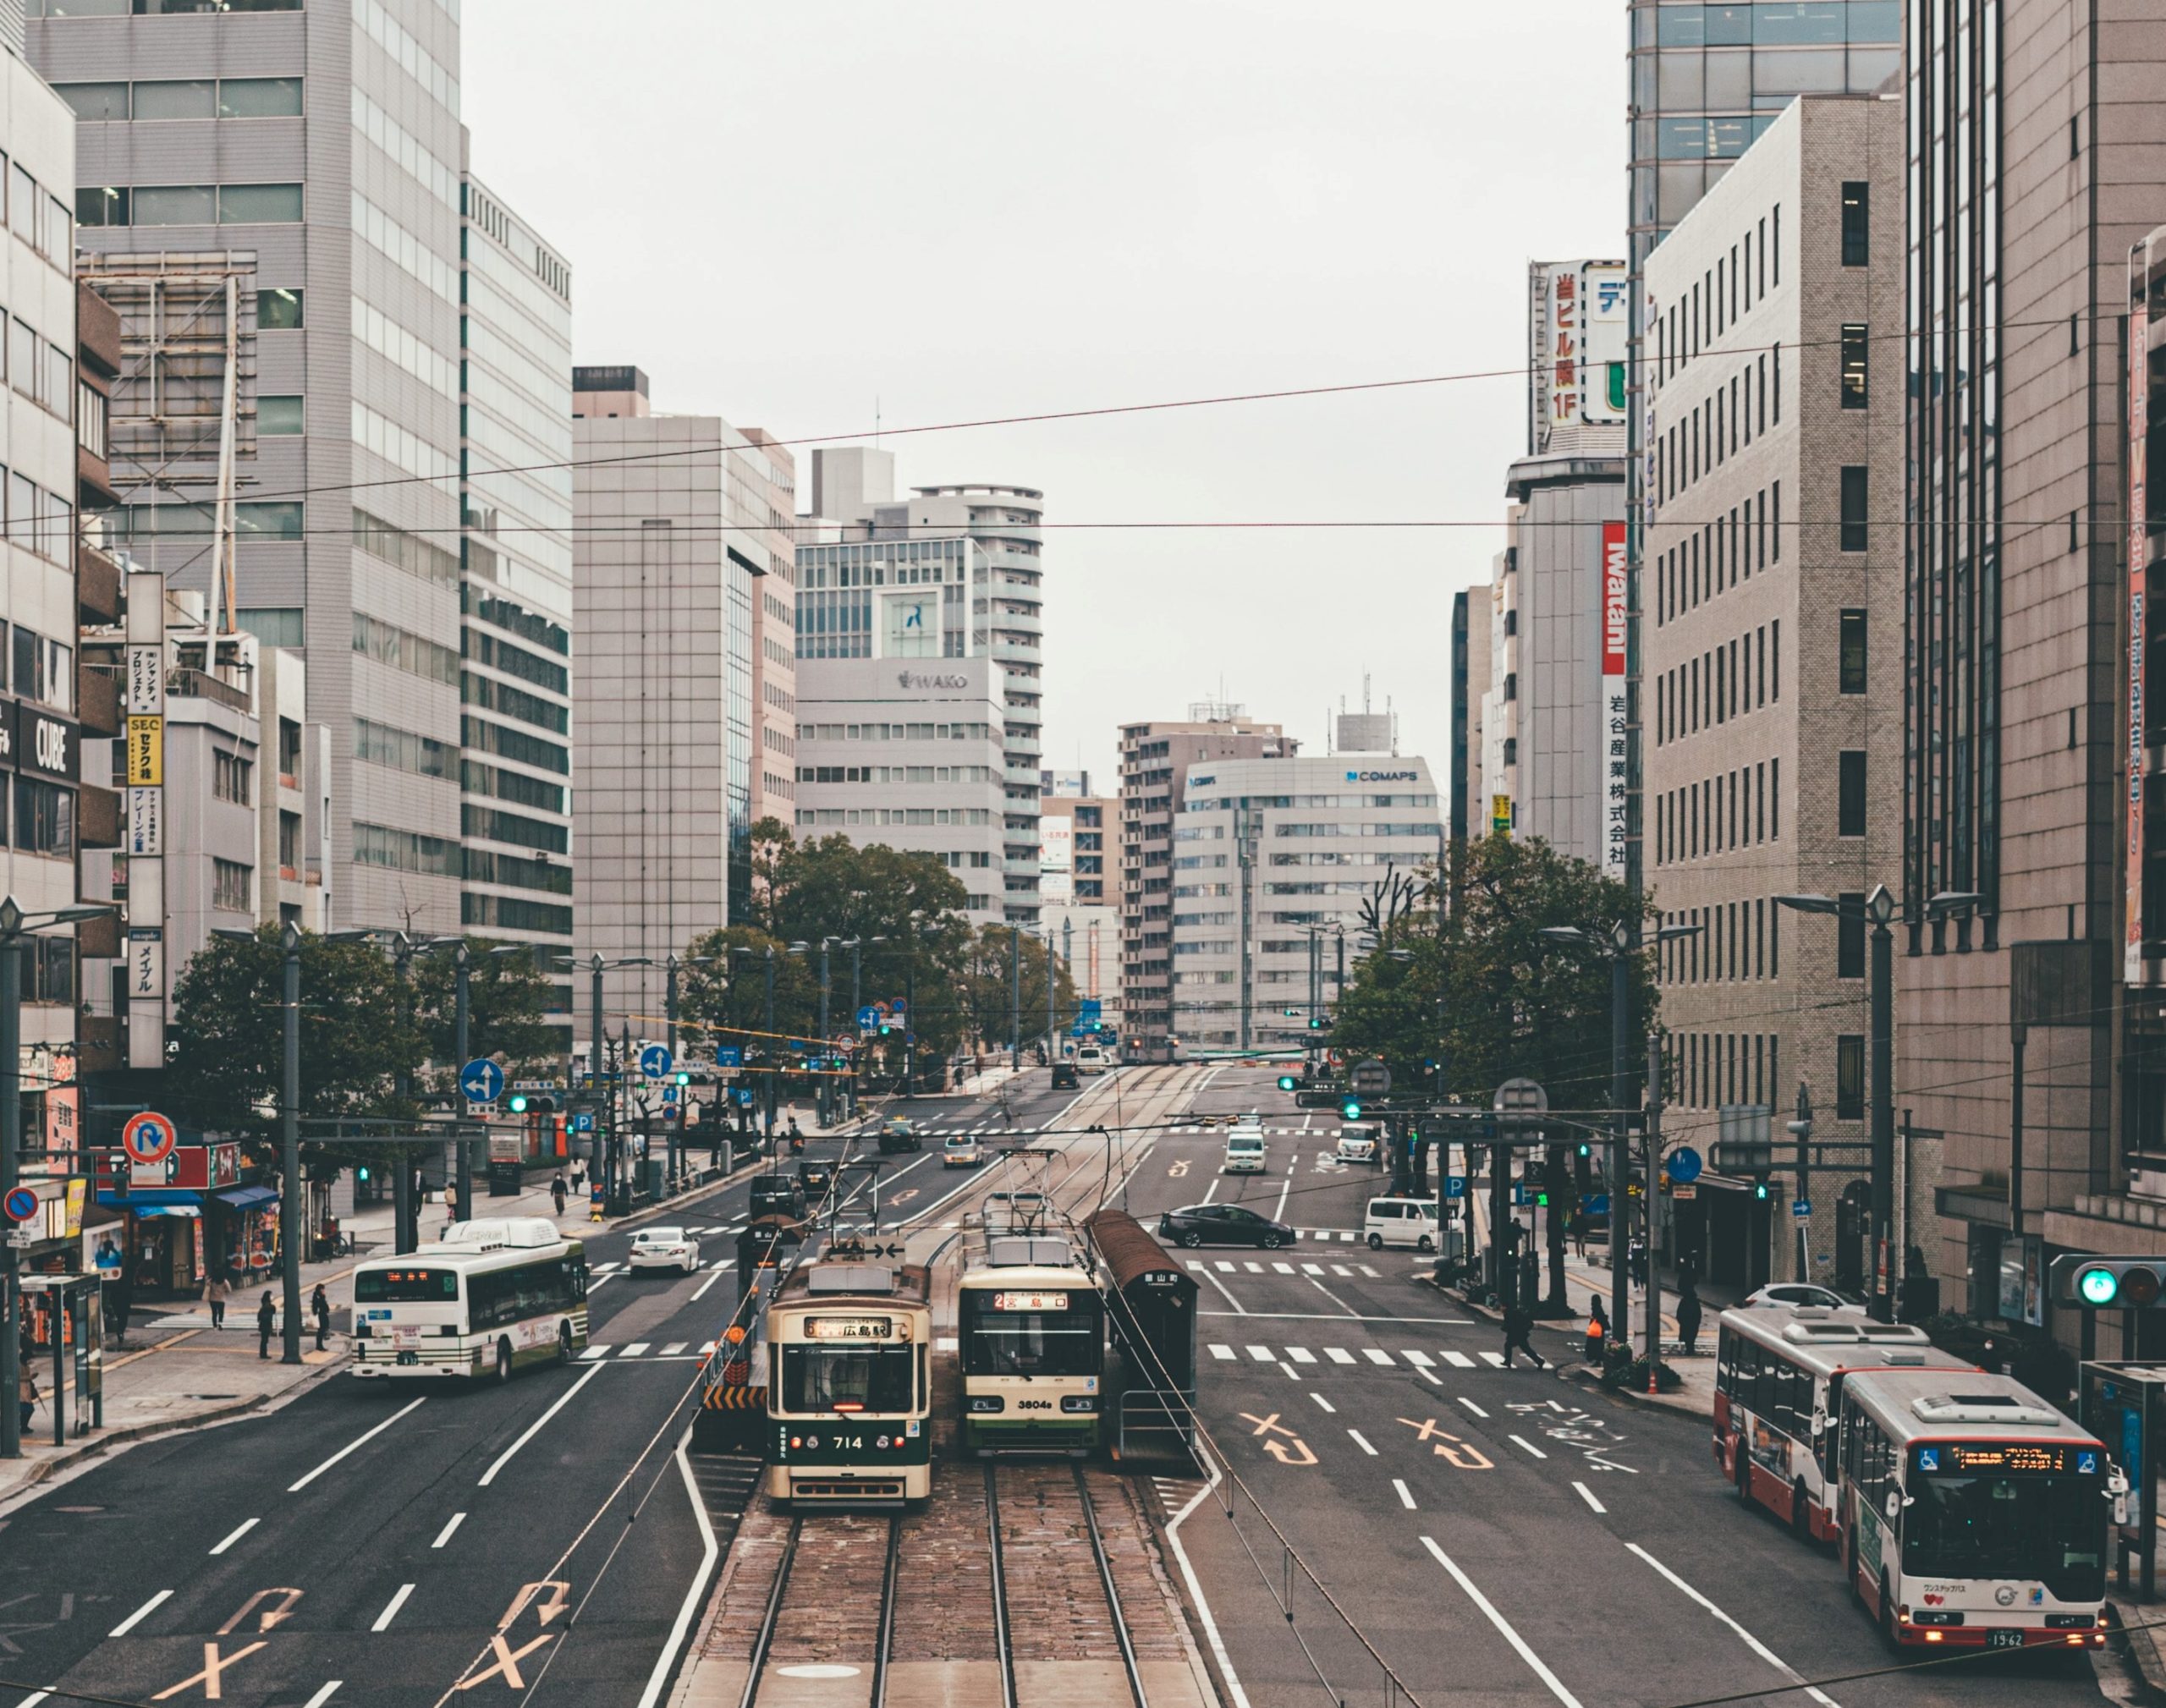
x=1517 y=1322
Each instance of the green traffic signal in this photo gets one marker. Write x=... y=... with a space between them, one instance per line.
x=518 y=1102
x=1760 y=1189
x=1316 y=1023
x=1287 y=1082
x=1585 y=1148
x=683 y=1079
x=1350 y=1109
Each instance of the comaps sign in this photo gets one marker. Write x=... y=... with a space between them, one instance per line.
x=1615 y=697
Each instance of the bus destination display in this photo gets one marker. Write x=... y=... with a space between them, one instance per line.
x=1029 y=1301
x=1980 y=1458
x=849 y=1327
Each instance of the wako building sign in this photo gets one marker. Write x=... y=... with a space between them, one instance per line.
x=1615 y=699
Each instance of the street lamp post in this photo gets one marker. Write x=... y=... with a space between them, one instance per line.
x=289 y=1143
x=1877 y=909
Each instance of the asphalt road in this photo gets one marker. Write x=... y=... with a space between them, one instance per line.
x=1500 y=1532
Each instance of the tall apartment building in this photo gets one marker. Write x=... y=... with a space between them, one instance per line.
x=673 y=517
x=327 y=140
x=515 y=595
x=1154 y=765
x=774 y=644
x=1772 y=642
x=2014 y=1019
x=853 y=490
x=1273 y=859
x=1079 y=887
x=1468 y=815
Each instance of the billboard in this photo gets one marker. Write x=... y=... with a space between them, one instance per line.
x=1577 y=327
x=1615 y=698
x=1056 y=858
x=2139 y=348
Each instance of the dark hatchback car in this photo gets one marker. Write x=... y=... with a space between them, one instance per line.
x=1222 y=1224
x=1064 y=1077
x=815 y=1178
x=898 y=1134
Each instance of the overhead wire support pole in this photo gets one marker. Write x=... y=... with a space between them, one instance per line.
x=1653 y=1197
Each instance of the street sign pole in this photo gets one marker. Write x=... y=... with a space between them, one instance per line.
x=1620 y=1089
x=1654 y=1156
x=11 y=1139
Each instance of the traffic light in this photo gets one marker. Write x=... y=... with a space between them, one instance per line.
x=361 y=1175
x=2108 y=1283
x=886 y=1028
x=1317 y=1023
x=1542 y=1198
x=1350 y=1109
x=518 y=1103
x=1287 y=1082
x=1760 y=1190
x=1291 y=1012
x=683 y=1078
x=1585 y=1148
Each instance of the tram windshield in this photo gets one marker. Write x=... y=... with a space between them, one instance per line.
x=847 y=1379
x=1034 y=1342
x=2051 y=1528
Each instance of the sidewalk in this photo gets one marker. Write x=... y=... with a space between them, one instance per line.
x=178 y=1372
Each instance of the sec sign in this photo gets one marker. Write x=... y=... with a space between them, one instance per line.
x=147 y=1138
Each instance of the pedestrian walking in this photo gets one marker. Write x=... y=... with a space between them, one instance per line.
x=557 y=1191
x=266 y=1319
x=450 y=1203
x=1599 y=1333
x=1580 y=1233
x=1517 y=1323
x=319 y=1307
x=216 y=1291
x=26 y=1389
x=1688 y=1318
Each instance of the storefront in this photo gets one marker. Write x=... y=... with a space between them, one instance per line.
x=246 y=1227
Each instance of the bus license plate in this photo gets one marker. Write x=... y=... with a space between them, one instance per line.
x=2003 y=1639
x=415 y=1357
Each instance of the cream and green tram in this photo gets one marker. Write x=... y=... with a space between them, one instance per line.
x=849 y=1385
x=1031 y=1326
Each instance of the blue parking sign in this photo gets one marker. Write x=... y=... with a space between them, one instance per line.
x=1455 y=1186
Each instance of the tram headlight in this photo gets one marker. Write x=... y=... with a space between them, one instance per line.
x=987 y=1402
x=1079 y=1402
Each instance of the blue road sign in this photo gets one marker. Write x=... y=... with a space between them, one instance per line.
x=743 y=1094
x=1801 y=1208
x=729 y=1055
x=868 y=1019
x=482 y=1080
x=1455 y=1186
x=668 y=1096
x=1520 y=1196
x=1596 y=1204
x=1089 y=1011
x=22 y=1204
x=1683 y=1166
x=656 y=1061
x=583 y=1122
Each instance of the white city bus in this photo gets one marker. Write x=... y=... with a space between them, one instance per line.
x=1778 y=1383
x=1974 y=1515
x=497 y=1294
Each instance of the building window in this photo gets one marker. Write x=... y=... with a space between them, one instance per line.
x=1854 y=341
x=1849 y=935
x=1857 y=224
x=1849 y=790
x=1850 y=1077
x=279 y=417
x=276 y=310
x=91 y=420
x=232 y=887
x=259 y=204
x=1852 y=537
x=102 y=205
x=230 y=778
x=45 y=818
x=1850 y=671
x=273 y=625
x=258 y=97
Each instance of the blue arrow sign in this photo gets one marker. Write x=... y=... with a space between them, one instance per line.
x=1455 y=1186
x=1801 y=1208
x=656 y=1061
x=1683 y=1166
x=868 y=1019
x=668 y=1096
x=729 y=1055
x=482 y=1080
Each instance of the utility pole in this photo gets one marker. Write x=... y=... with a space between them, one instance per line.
x=1051 y=1023
x=827 y=1080
x=596 y=1051
x=402 y=1192
x=769 y=1051
x=856 y=1002
x=1620 y=1092
x=1880 y=912
x=1654 y=1162
x=290 y=1144
x=1015 y=999
x=1802 y=1127
x=462 y=966
x=11 y=1143
x=669 y=1119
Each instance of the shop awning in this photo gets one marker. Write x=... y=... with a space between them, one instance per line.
x=248 y=1197
x=155 y=1200
x=190 y=1210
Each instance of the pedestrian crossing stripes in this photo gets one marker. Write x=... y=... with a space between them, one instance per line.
x=676 y=1352
x=1226 y=1266
x=1403 y=1358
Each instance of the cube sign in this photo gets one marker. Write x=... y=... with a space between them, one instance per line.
x=147 y=1138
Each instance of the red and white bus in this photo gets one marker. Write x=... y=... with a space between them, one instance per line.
x=1974 y=1514
x=1779 y=1372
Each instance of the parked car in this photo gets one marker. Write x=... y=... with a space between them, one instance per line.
x=1400 y=1221
x=897 y=1133
x=1222 y=1224
x=961 y=1150
x=1065 y=1078
x=1358 y=1145
x=1807 y=1292
x=664 y=1248
x=1245 y=1151
x=777 y=1194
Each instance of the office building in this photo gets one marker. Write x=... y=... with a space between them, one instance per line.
x=1273 y=861
x=774 y=645
x=515 y=654
x=673 y=521
x=852 y=493
x=1155 y=759
x=327 y=142
x=1079 y=887
x=1772 y=636
x=1471 y=647
x=2025 y=207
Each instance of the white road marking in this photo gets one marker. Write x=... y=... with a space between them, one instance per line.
x=1301 y=1355
x=1503 y=1626
x=695 y=1594
x=1322 y=1401
x=1224 y=1267
x=245 y=1527
x=1339 y=1354
x=317 y=1700
x=535 y=1427
x=1341 y=1269
x=1405 y=1495
x=1253 y=1268
x=1418 y=1359
x=714 y=1274
x=1458 y=1360
x=1261 y=1354
x=593 y=1353
x=1523 y=1442
x=1751 y=1641
x=634 y=1349
x=1470 y=1405
x=1240 y=1697
x=1361 y=1441
x=140 y=1614
x=673 y=1348
x=391 y=1608
x=1239 y=1309
x=1312 y=1268
x=1284 y=1268
x=353 y=1445
x=1195 y=1264
x=1496 y=1358
x=443 y=1535
x=1586 y=1494
x=1368 y=1271
x=1376 y=1354
x=1220 y=1352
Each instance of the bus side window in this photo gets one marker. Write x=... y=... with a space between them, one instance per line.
x=1748 y=1370
x=1726 y=1363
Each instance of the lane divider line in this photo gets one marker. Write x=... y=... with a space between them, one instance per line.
x=140 y=1614
x=1470 y=1405
x=1751 y=1641
x=1226 y=1673
x=696 y=1594
x=325 y=1695
x=1405 y=1494
x=1503 y=1626
x=1361 y=1441
x=534 y=1429
x=240 y=1531
x=1586 y=1494
x=443 y=1535
x=1531 y=1447
x=354 y=1445
x=391 y=1608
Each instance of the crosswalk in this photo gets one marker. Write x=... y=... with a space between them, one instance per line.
x=671 y=1352
x=1232 y=1267
x=1415 y=1358
x=616 y=1267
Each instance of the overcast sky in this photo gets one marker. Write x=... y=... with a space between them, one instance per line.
x=793 y=214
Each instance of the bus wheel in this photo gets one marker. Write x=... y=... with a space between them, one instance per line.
x=1801 y=1514
x=1887 y=1616
x=563 y=1342
x=504 y=1360
x=1851 y=1569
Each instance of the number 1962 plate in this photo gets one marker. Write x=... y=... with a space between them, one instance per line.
x=2003 y=1639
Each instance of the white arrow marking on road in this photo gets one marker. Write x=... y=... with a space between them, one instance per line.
x=140 y=1614
x=1586 y=1494
x=391 y=1608
x=443 y=1535
x=354 y=1445
x=1503 y=1626
x=1751 y=1641
x=245 y=1526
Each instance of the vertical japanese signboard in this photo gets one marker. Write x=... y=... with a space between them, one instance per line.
x=1615 y=700
x=143 y=836
x=2139 y=433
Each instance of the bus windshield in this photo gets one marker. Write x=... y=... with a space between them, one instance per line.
x=854 y=1379
x=2050 y=1528
x=1033 y=1343
x=413 y=1286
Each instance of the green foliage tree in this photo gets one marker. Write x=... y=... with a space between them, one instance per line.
x=987 y=987
x=226 y=1045
x=506 y=998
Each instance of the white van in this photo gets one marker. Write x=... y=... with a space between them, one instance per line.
x=1400 y=1221
x=1245 y=1151
x=1358 y=1145
x=1091 y=1059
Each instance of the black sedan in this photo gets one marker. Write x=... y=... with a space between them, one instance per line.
x=1065 y=1078
x=1222 y=1224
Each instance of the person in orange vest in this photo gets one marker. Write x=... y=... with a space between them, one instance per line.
x=1597 y=1334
